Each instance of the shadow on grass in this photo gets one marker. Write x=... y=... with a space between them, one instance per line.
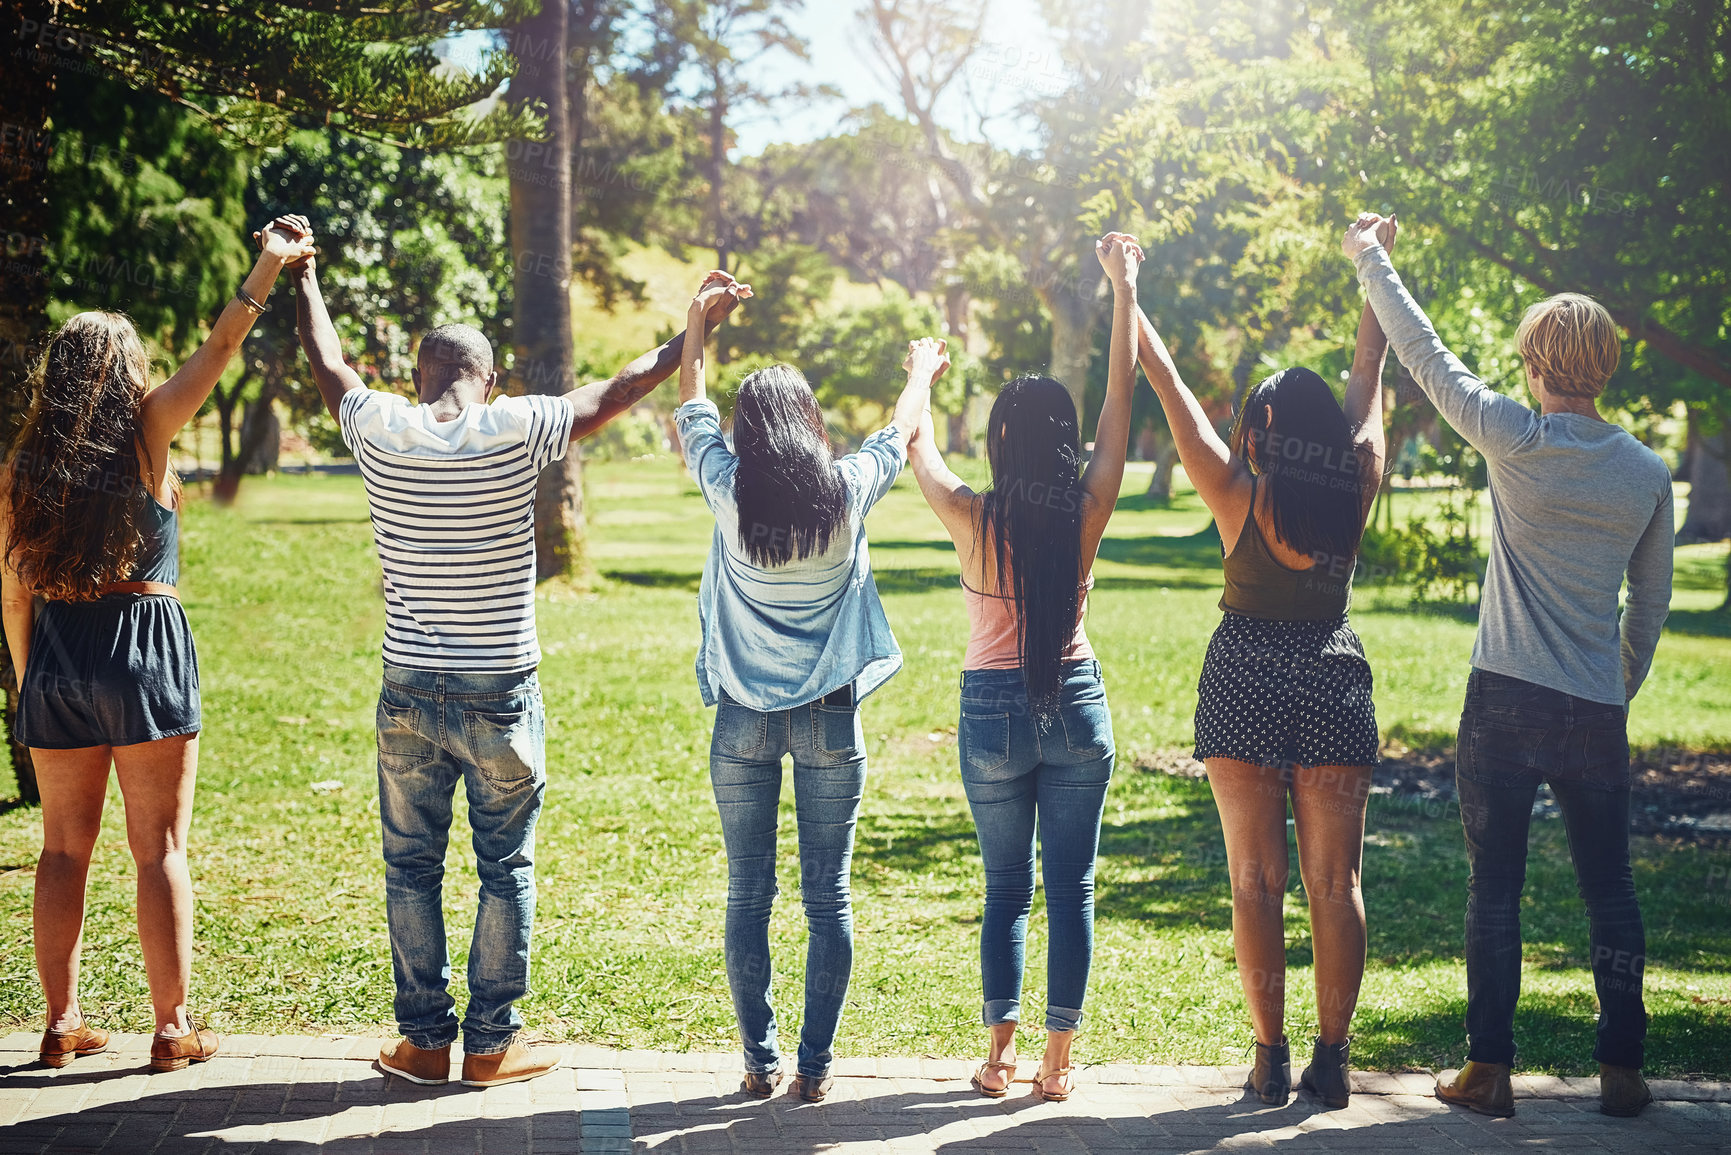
x=1700 y=623
x=1554 y=1033
x=655 y=579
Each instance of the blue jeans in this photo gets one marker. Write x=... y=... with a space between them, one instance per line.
x=487 y=731
x=1514 y=735
x=1019 y=769
x=829 y=770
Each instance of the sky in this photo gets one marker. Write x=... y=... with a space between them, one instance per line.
x=1011 y=61
x=1014 y=63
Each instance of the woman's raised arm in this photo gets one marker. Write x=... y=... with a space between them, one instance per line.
x=1220 y=478
x=1121 y=257
x=1364 y=389
x=168 y=407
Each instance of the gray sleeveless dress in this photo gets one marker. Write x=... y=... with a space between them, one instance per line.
x=119 y=670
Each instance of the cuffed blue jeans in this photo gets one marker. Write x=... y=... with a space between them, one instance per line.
x=1515 y=734
x=488 y=732
x=829 y=770
x=1021 y=771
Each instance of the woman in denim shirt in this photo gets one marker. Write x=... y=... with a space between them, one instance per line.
x=793 y=638
x=1035 y=732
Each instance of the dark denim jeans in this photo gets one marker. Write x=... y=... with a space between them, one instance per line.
x=1019 y=770
x=829 y=771
x=1513 y=736
x=488 y=732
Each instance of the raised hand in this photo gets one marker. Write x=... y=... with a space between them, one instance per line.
x=717 y=296
x=1366 y=231
x=928 y=357
x=1121 y=256
x=1388 y=231
x=289 y=238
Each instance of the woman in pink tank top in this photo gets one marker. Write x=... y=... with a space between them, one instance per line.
x=1035 y=730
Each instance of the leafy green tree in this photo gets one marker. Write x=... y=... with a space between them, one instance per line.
x=366 y=66
x=1027 y=206
x=726 y=41
x=410 y=239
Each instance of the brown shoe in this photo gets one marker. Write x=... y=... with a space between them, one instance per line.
x=173 y=1053
x=1622 y=1091
x=515 y=1063
x=403 y=1059
x=61 y=1047
x=1482 y=1087
x=812 y=1088
x=760 y=1084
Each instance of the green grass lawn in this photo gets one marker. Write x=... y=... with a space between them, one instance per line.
x=283 y=592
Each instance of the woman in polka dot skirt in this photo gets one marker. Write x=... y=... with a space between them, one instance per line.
x=1284 y=704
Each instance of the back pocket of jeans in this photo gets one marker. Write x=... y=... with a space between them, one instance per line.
x=1500 y=754
x=1598 y=753
x=985 y=741
x=1088 y=728
x=401 y=745
x=837 y=731
x=740 y=730
x=505 y=747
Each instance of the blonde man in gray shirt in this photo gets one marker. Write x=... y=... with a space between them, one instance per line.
x=1577 y=506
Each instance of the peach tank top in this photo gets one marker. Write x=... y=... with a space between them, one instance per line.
x=993 y=629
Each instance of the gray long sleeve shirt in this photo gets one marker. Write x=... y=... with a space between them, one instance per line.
x=1576 y=503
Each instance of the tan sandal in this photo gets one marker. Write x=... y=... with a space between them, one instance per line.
x=1040 y=1078
x=988 y=1067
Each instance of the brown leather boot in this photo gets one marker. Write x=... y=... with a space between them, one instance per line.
x=1622 y=1091
x=1482 y=1087
x=173 y=1053
x=1329 y=1076
x=1271 y=1077
x=61 y=1047
x=515 y=1063
x=403 y=1059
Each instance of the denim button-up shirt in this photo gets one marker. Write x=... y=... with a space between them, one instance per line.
x=780 y=637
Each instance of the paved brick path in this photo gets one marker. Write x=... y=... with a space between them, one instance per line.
x=284 y=1095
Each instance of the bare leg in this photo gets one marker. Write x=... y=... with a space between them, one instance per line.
x=1328 y=810
x=156 y=780
x=1001 y=1049
x=1252 y=804
x=74 y=784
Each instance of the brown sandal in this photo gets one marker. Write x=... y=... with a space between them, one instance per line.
x=1040 y=1078
x=986 y=1068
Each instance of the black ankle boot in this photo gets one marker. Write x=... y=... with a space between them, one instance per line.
x=1328 y=1076
x=1271 y=1078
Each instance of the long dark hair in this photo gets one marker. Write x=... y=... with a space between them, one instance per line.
x=1307 y=462
x=1033 y=511
x=791 y=500
x=74 y=485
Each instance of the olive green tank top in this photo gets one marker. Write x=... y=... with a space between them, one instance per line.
x=1258 y=586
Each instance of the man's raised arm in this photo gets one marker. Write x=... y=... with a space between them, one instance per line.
x=599 y=402
x=319 y=338
x=1489 y=421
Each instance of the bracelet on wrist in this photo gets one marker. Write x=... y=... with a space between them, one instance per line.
x=252 y=306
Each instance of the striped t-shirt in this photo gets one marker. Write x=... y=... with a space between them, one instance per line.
x=453 y=505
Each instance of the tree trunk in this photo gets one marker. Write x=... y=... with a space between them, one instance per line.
x=260 y=436
x=227 y=476
x=718 y=169
x=1709 y=516
x=1165 y=459
x=1073 y=316
x=26 y=89
x=1708 y=457
x=540 y=175
x=956 y=322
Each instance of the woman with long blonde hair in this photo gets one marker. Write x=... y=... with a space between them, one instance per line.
x=107 y=672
